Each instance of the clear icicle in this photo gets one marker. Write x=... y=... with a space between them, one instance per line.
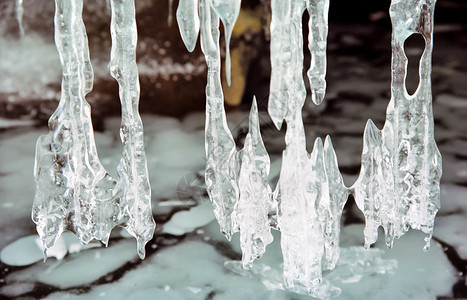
x=188 y=22
x=132 y=170
x=255 y=194
x=228 y=11
x=286 y=58
x=222 y=164
x=73 y=190
x=398 y=187
x=19 y=16
x=317 y=40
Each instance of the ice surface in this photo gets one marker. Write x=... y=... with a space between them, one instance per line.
x=398 y=186
x=73 y=190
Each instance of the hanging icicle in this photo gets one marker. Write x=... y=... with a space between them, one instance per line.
x=73 y=190
x=19 y=16
x=398 y=187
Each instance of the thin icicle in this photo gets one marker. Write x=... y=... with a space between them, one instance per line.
x=222 y=165
x=170 y=13
x=398 y=187
x=228 y=11
x=255 y=194
x=19 y=16
x=132 y=170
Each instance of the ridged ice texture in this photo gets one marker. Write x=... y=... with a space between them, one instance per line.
x=73 y=190
x=398 y=187
x=286 y=32
x=19 y=16
x=222 y=157
x=255 y=202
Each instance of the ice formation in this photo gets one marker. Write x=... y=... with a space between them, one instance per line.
x=19 y=16
x=286 y=39
x=73 y=190
x=398 y=186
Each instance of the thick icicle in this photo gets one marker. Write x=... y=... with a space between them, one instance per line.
x=255 y=194
x=132 y=170
x=19 y=16
x=317 y=40
x=188 y=22
x=228 y=11
x=398 y=187
x=73 y=190
x=222 y=164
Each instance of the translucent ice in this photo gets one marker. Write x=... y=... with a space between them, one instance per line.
x=221 y=153
x=255 y=200
x=398 y=187
x=73 y=190
x=188 y=22
x=19 y=16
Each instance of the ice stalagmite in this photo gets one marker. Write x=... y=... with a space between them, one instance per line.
x=222 y=163
x=285 y=28
x=132 y=170
x=255 y=200
x=398 y=187
x=19 y=16
x=73 y=190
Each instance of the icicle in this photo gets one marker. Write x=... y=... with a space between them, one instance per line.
x=222 y=166
x=132 y=170
x=228 y=11
x=317 y=40
x=255 y=194
x=73 y=190
x=285 y=30
x=188 y=22
x=170 y=13
x=19 y=16
x=398 y=187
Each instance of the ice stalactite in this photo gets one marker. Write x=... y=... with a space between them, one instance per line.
x=285 y=28
x=19 y=16
x=398 y=187
x=188 y=22
x=228 y=11
x=317 y=41
x=222 y=157
x=73 y=190
x=255 y=202
x=132 y=170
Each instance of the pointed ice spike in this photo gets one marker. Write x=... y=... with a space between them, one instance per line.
x=132 y=170
x=255 y=194
x=222 y=166
x=228 y=11
x=317 y=40
x=188 y=22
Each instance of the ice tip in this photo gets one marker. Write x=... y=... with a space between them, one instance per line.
x=141 y=248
